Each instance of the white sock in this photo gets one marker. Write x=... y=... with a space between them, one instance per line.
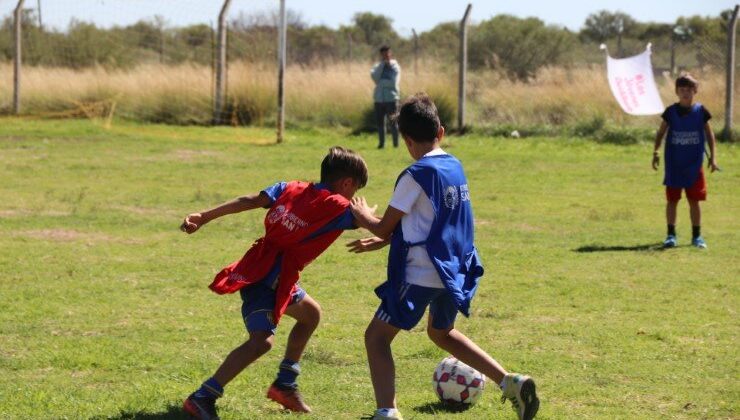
x=387 y=412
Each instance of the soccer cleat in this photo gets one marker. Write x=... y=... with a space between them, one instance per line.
x=200 y=408
x=699 y=242
x=288 y=397
x=386 y=414
x=520 y=391
x=670 y=241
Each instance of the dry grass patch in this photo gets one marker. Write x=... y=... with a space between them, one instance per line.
x=70 y=235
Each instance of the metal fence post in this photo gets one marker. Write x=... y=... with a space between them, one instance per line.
x=281 y=72
x=730 y=85
x=416 y=52
x=220 y=88
x=463 y=69
x=17 y=57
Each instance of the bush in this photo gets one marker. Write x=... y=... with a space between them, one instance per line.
x=623 y=135
x=446 y=109
x=589 y=128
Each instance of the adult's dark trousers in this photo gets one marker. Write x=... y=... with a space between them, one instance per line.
x=383 y=109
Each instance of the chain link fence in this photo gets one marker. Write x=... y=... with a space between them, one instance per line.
x=100 y=60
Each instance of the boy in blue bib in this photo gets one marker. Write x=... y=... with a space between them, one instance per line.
x=432 y=262
x=687 y=124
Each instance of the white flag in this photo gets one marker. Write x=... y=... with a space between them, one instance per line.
x=632 y=83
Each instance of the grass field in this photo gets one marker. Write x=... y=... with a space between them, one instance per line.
x=104 y=310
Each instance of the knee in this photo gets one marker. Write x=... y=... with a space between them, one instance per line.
x=438 y=337
x=371 y=336
x=261 y=344
x=313 y=316
x=375 y=336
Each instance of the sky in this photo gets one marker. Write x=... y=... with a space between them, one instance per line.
x=420 y=15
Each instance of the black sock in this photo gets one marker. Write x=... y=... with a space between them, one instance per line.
x=695 y=232
x=672 y=230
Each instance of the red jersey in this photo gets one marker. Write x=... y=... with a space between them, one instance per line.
x=301 y=210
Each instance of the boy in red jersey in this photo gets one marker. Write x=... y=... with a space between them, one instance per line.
x=302 y=221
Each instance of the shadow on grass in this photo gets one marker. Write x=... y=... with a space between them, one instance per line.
x=610 y=248
x=172 y=412
x=439 y=407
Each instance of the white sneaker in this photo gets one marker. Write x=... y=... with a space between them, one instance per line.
x=520 y=390
x=387 y=414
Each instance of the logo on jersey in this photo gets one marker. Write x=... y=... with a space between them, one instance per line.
x=451 y=197
x=464 y=193
x=280 y=215
x=276 y=214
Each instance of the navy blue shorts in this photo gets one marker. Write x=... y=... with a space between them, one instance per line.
x=258 y=304
x=406 y=309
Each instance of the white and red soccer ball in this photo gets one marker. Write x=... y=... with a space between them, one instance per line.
x=457 y=383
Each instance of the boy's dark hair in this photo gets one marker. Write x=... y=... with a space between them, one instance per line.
x=343 y=163
x=687 y=80
x=418 y=118
x=384 y=48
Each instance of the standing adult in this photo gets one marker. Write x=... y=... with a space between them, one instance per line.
x=386 y=75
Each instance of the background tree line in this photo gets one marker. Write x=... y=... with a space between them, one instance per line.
x=517 y=47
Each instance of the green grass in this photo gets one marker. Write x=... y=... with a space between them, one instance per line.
x=104 y=310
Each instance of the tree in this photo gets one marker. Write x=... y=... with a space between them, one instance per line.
x=441 y=41
x=604 y=25
x=518 y=46
x=375 y=30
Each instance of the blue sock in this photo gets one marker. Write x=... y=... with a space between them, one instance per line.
x=210 y=389
x=289 y=371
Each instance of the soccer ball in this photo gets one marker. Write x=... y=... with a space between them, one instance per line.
x=457 y=383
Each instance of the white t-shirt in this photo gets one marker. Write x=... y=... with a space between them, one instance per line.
x=416 y=223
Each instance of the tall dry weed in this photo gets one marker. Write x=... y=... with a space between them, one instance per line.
x=336 y=94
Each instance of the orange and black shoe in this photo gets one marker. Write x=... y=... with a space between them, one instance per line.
x=288 y=397
x=201 y=408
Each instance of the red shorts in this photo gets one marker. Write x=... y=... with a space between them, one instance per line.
x=696 y=192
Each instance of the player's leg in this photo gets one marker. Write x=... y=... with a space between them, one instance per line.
x=441 y=330
x=694 y=195
x=378 y=338
x=201 y=404
x=259 y=343
x=695 y=212
x=284 y=390
x=673 y=195
x=399 y=309
x=519 y=389
x=257 y=305
x=307 y=313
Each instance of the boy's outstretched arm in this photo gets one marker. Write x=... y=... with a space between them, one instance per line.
x=658 y=140
x=367 y=244
x=382 y=228
x=712 y=147
x=194 y=221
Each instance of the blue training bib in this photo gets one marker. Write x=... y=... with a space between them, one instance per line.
x=450 y=241
x=684 y=147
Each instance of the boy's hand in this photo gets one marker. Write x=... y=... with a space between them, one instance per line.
x=360 y=209
x=656 y=161
x=192 y=222
x=713 y=166
x=366 y=245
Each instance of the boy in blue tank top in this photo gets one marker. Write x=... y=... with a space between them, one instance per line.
x=432 y=262
x=687 y=124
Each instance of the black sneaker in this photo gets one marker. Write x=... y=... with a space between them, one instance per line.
x=202 y=408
